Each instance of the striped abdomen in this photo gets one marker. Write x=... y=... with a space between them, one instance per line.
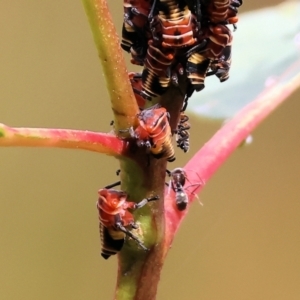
x=197 y=66
x=156 y=75
x=111 y=241
x=219 y=36
x=223 y=11
x=217 y=10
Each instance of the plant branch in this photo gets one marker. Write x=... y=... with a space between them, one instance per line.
x=107 y=42
x=215 y=152
x=62 y=138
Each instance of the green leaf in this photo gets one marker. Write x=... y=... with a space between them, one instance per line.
x=266 y=54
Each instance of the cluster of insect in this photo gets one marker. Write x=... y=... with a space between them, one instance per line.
x=172 y=40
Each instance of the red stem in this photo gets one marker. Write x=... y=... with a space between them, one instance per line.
x=215 y=152
x=62 y=138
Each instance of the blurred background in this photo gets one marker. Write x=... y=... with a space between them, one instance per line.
x=243 y=243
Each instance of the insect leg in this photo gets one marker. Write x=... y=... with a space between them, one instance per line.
x=120 y=227
x=145 y=201
x=113 y=185
x=128 y=130
x=168 y=172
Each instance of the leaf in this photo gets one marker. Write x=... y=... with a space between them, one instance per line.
x=266 y=54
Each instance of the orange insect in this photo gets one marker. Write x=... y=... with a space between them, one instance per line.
x=154 y=132
x=114 y=218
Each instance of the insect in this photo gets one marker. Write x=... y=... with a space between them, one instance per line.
x=173 y=27
x=135 y=30
x=114 y=219
x=221 y=67
x=154 y=132
x=209 y=54
x=178 y=180
x=178 y=177
x=182 y=134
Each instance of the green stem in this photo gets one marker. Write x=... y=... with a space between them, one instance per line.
x=107 y=42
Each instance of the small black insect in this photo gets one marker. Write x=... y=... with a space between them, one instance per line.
x=178 y=177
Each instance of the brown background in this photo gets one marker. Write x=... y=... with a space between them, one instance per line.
x=244 y=243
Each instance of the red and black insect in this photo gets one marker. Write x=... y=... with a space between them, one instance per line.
x=114 y=219
x=154 y=132
x=221 y=67
x=182 y=134
x=135 y=31
x=210 y=53
x=173 y=27
x=178 y=178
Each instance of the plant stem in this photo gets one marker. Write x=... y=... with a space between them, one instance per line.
x=107 y=42
x=62 y=138
x=214 y=153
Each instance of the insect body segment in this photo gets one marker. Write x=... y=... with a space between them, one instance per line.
x=156 y=75
x=154 y=132
x=114 y=218
x=174 y=26
x=223 y=11
x=136 y=83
